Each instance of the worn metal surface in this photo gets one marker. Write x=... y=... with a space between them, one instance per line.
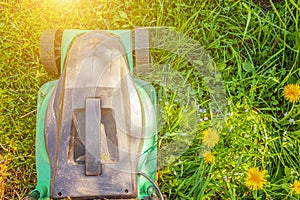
x=116 y=90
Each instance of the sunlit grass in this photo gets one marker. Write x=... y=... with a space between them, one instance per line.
x=256 y=51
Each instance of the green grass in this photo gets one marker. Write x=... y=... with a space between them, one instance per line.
x=256 y=51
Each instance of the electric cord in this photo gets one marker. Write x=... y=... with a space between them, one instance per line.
x=153 y=183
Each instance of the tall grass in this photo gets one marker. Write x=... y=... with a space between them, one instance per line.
x=256 y=51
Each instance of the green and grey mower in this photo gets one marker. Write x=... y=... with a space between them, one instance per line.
x=96 y=124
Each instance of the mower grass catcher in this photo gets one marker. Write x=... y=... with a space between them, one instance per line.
x=96 y=128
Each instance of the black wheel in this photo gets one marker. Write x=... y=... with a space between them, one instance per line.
x=50 y=50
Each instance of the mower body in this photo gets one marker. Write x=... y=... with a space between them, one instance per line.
x=96 y=124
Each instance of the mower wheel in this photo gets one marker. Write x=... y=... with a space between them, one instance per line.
x=50 y=50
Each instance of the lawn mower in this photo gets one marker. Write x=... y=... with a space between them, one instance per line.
x=96 y=124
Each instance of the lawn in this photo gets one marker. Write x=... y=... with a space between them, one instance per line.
x=256 y=50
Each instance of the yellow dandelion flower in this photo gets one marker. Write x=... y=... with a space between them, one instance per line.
x=291 y=92
x=255 y=179
x=296 y=187
x=208 y=157
x=210 y=137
